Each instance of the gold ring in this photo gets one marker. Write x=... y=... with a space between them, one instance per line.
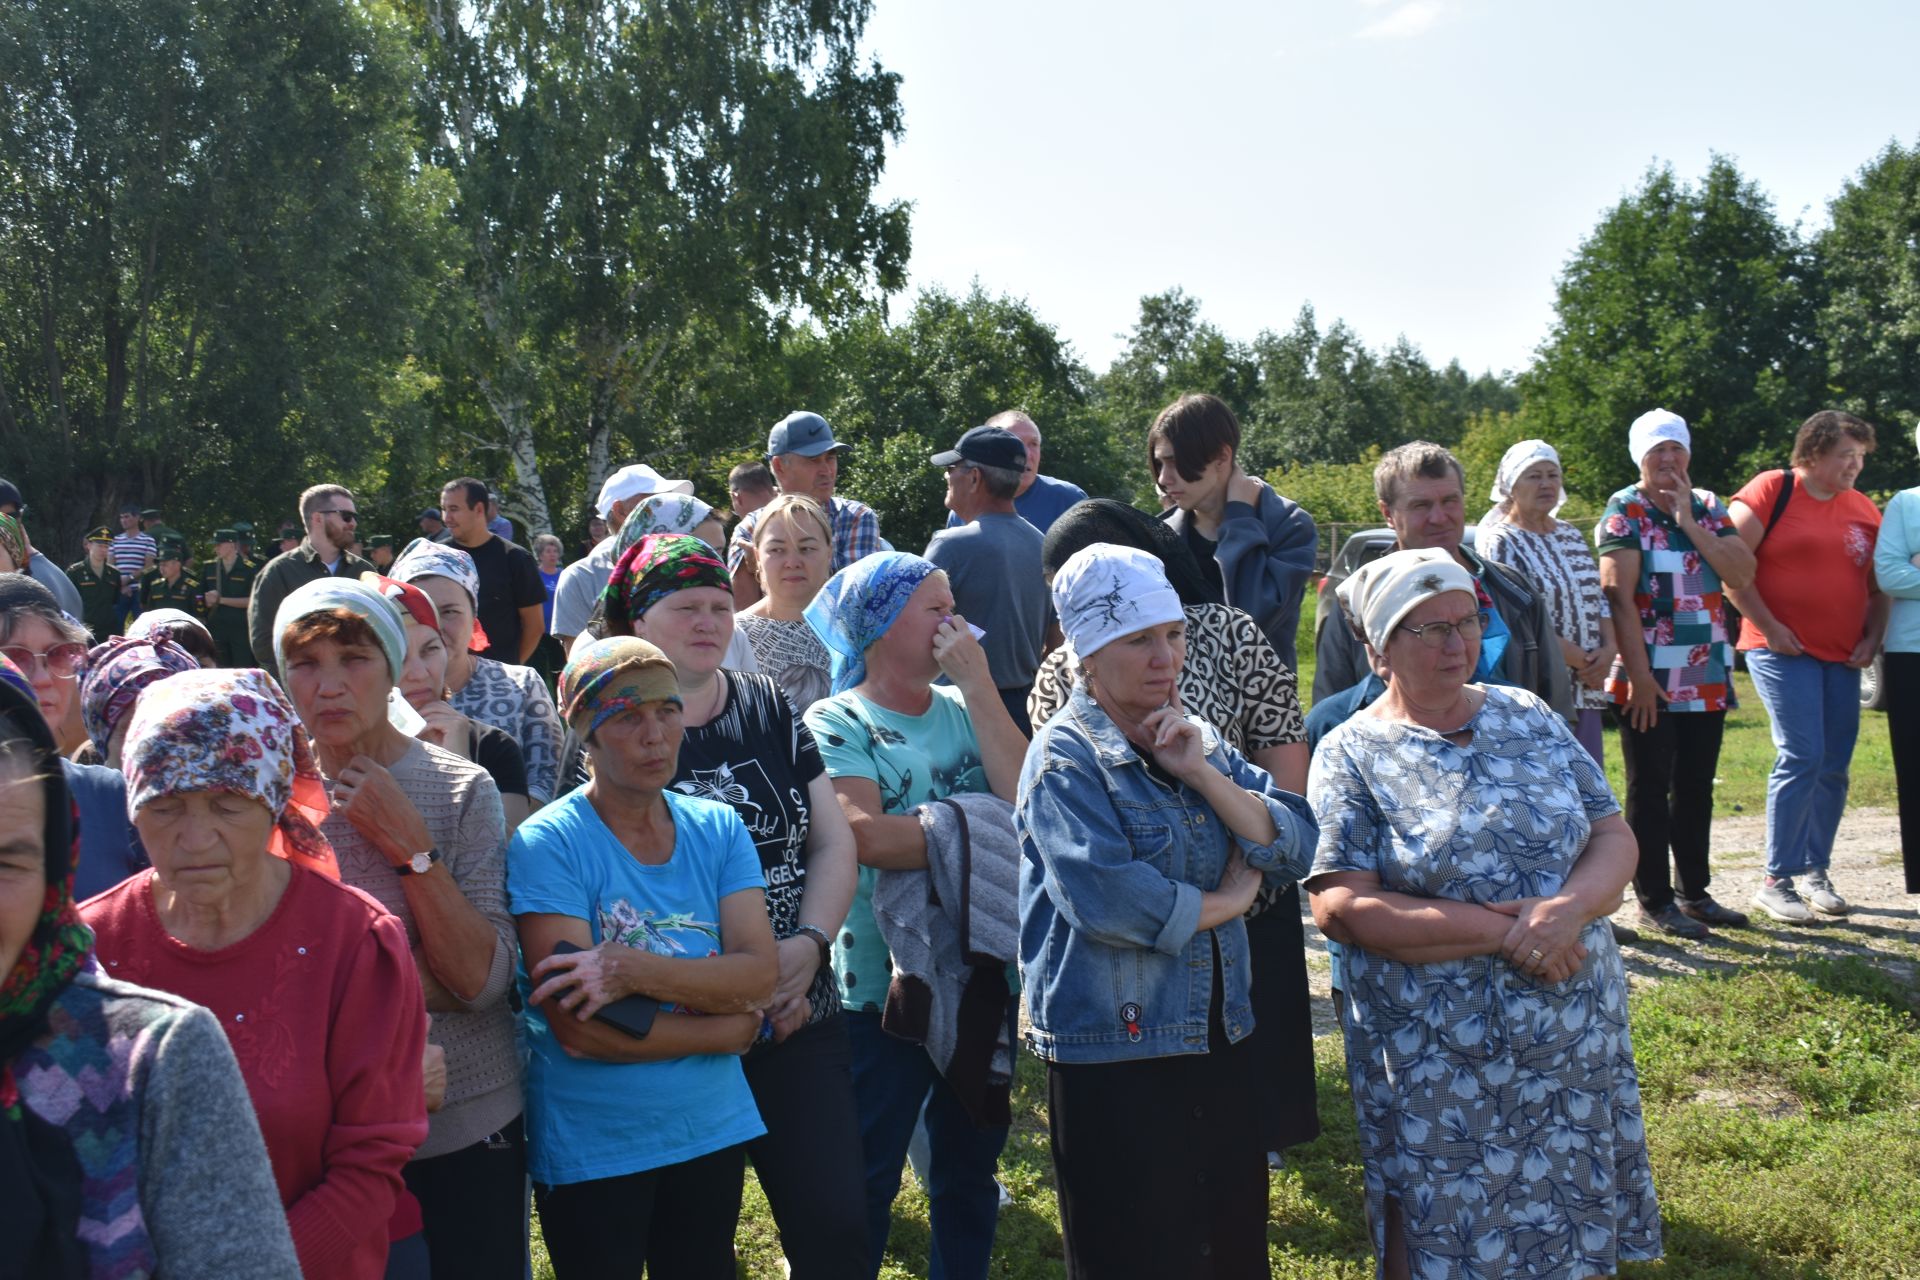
x=1533 y=955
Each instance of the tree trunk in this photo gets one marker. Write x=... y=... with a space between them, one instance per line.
x=530 y=491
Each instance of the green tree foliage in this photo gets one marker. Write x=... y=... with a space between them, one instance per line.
x=1691 y=297
x=1332 y=492
x=213 y=244
x=1869 y=319
x=627 y=172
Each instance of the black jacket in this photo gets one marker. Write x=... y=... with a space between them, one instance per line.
x=282 y=574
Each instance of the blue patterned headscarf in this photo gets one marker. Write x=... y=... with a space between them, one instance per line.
x=858 y=604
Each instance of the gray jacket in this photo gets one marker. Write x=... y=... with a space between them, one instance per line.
x=1266 y=558
x=1532 y=659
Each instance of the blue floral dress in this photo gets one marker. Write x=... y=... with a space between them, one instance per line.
x=1503 y=1115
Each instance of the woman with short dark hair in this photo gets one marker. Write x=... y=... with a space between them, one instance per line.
x=1811 y=619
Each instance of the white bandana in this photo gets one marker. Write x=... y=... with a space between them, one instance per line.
x=1381 y=593
x=1515 y=461
x=1653 y=426
x=1105 y=591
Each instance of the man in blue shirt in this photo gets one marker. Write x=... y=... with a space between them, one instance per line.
x=1040 y=499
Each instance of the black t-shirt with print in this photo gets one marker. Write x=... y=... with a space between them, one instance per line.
x=757 y=756
x=509 y=582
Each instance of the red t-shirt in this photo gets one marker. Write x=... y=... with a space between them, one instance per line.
x=1815 y=567
x=323 y=1008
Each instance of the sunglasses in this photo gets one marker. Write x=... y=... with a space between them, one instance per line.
x=351 y=517
x=63 y=660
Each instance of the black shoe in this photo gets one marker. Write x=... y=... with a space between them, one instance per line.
x=1621 y=933
x=1669 y=919
x=1707 y=911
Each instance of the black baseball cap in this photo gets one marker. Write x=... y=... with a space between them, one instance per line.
x=431 y=513
x=986 y=447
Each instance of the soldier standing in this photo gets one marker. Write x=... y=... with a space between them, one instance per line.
x=98 y=583
x=228 y=581
x=170 y=586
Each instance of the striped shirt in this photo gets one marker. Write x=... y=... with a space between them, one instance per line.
x=1563 y=566
x=130 y=553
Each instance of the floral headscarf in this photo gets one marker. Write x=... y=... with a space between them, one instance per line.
x=661 y=513
x=859 y=603
x=116 y=673
x=38 y=1171
x=231 y=730
x=653 y=569
x=13 y=541
x=416 y=604
x=323 y=595
x=609 y=676
x=161 y=622
x=425 y=558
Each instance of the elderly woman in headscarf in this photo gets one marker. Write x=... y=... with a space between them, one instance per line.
x=1235 y=681
x=243 y=912
x=894 y=741
x=1469 y=855
x=180 y=627
x=1667 y=551
x=743 y=744
x=116 y=674
x=645 y=907
x=1521 y=529
x=510 y=698
x=423 y=683
x=105 y=1086
x=793 y=549
x=420 y=830
x=1144 y=837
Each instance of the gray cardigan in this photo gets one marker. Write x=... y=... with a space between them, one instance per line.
x=1266 y=558
x=1532 y=660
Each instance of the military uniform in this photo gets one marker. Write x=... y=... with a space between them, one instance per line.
x=184 y=593
x=227 y=621
x=99 y=590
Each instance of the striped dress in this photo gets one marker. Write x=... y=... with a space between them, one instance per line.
x=1563 y=564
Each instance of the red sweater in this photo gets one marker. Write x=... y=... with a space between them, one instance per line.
x=322 y=1005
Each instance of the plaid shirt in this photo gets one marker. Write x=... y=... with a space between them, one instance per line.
x=1683 y=616
x=856 y=534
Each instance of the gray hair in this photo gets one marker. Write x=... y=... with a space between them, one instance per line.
x=1415 y=460
x=543 y=540
x=1002 y=483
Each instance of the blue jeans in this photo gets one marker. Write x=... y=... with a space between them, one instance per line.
x=1814 y=707
x=892 y=1079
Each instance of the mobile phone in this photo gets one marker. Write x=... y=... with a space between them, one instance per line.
x=632 y=1014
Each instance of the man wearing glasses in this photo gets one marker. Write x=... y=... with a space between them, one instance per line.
x=330 y=516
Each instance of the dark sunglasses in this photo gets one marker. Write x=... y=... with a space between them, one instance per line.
x=351 y=517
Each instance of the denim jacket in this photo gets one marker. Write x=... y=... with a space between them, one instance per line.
x=1112 y=865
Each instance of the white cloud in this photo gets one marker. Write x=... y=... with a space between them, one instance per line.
x=1415 y=18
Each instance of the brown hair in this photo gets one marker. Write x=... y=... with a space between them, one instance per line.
x=310 y=500
x=1198 y=426
x=342 y=626
x=793 y=506
x=1824 y=431
x=1418 y=459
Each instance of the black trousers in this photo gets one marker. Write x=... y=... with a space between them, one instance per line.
x=1670 y=771
x=604 y=1228
x=810 y=1161
x=473 y=1203
x=1282 y=1038
x=1901 y=673
x=1159 y=1166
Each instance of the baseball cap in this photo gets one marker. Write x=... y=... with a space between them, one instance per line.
x=806 y=434
x=635 y=480
x=986 y=447
x=431 y=513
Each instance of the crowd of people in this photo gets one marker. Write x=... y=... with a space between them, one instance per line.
x=359 y=900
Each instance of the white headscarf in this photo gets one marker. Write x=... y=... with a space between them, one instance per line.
x=1653 y=426
x=1514 y=462
x=1105 y=591
x=1380 y=594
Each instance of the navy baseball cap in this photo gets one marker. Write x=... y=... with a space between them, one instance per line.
x=986 y=447
x=806 y=434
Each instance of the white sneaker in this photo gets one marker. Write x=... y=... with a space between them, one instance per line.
x=1817 y=889
x=1779 y=899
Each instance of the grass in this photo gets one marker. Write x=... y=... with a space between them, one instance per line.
x=1783 y=1118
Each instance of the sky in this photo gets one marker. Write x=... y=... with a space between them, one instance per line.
x=1416 y=167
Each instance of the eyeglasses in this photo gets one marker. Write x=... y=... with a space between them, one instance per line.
x=351 y=517
x=1435 y=635
x=63 y=660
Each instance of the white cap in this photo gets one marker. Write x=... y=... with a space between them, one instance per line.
x=635 y=481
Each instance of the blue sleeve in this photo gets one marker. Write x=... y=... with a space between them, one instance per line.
x=543 y=872
x=1349 y=820
x=1285 y=858
x=1266 y=565
x=739 y=862
x=1893 y=552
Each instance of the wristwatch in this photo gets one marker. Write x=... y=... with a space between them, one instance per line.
x=419 y=864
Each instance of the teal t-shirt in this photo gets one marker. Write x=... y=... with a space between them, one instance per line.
x=588 y=1119
x=913 y=760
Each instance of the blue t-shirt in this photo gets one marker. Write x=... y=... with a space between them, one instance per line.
x=588 y=1119
x=1043 y=502
x=551 y=581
